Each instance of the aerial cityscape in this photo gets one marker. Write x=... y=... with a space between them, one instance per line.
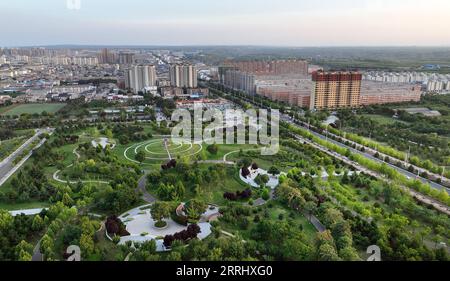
x=127 y=139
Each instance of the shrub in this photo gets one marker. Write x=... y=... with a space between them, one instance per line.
x=160 y=224
x=262 y=179
x=183 y=220
x=230 y=196
x=274 y=170
x=116 y=239
x=213 y=149
x=169 y=165
x=191 y=232
x=265 y=194
x=115 y=226
x=238 y=195
x=245 y=172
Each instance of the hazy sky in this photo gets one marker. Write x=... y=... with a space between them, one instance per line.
x=226 y=22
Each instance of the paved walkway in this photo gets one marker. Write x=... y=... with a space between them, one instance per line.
x=27 y=212
x=56 y=174
x=236 y=151
x=215 y=162
x=140 y=224
x=142 y=187
x=315 y=222
x=56 y=178
x=37 y=255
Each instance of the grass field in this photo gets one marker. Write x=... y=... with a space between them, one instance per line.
x=23 y=206
x=32 y=108
x=384 y=120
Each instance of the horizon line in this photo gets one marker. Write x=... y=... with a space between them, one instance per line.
x=223 y=45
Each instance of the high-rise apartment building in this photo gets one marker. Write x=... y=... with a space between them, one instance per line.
x=239 y=80
x=183 y=76
x=106 y=57
x=140 y=77
x=336 y=90
x=126 y=58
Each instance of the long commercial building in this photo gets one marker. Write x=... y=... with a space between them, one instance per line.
x=247 y=75
x=295 y=92
x=383 y=93
x=273 y=67
x=183 y=75
x=140 y=77
x=333 y=90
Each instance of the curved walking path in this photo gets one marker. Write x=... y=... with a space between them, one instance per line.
x=142 y=187
x=215 y=162
x=139 y=145
x=56 y=177
x=236 y=151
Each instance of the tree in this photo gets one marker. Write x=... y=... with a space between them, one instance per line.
x=274 y=171
x=47 y=246
x=24 y=256
x=149 y=247
x=349 y=254
x=140 y=156
x=215 y=255
x=213 y=149
x=265 y=194
x=245 y=162
x=160 y=210
x=86 y=245
x=195 y=208
x=23 y=251
x=38 y=223
x=332 y=216
x=310 y=208
x=262 y=179
x=180 y=189
x=6 y=220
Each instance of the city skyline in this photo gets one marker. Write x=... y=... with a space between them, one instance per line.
x=251 y=22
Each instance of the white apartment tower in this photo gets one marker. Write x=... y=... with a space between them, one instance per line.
x=140 y=77
x=183 y=76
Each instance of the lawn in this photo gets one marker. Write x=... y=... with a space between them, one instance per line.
x=33 y=108
x=23 y=206
x=4 y=109
x=383 y=120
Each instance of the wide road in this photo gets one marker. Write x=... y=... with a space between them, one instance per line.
x=8 y=165
x=288 y=119
x=406 y=173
